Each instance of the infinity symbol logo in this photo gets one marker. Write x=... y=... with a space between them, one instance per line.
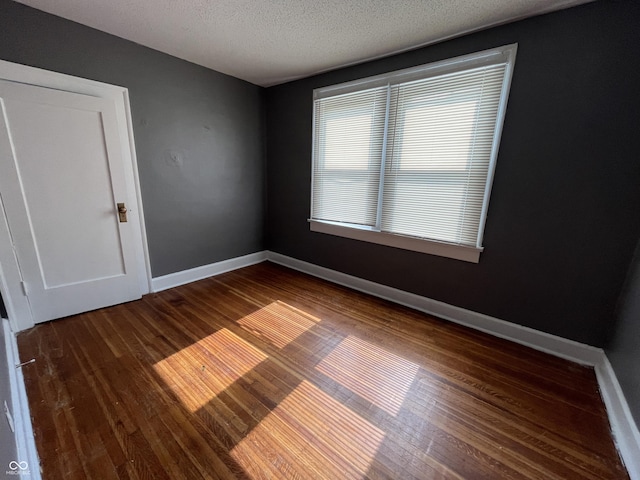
x=13 y=465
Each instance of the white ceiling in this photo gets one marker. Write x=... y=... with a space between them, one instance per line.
x=268 y=42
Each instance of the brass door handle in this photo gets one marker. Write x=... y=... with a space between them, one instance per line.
x=122 y=212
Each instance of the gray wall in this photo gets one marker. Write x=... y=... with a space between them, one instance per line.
x=7 y=438
x=199 y=135
x=624 y=349
x=563 y=219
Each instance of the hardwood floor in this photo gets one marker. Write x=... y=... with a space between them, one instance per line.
x=267 y=373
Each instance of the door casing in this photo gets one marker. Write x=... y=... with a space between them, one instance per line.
x=13 y=295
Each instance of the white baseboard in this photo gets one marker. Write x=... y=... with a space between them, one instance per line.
x=624 y=429
x=558 y=346
x=25 y=443
x=623 y=426
x=187 y=276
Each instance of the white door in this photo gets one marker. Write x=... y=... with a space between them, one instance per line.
x=61 y=178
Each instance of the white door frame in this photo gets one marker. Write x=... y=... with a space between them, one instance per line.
x=15 y=301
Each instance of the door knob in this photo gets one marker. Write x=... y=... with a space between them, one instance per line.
x=122 y=212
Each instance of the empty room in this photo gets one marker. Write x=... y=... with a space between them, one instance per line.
x=320 y=240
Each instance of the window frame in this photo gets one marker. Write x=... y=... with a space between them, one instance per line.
x=501 y=55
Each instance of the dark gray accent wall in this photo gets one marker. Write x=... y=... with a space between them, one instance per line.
x=624 y=349
x=7 y=438
x=198 y=133
x=563 y=218
x=3 y=309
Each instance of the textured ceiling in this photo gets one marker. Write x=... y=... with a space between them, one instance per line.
x=268 y=42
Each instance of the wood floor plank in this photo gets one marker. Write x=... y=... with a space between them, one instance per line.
x=265 y=372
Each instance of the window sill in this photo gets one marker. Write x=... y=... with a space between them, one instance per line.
x=441 y=249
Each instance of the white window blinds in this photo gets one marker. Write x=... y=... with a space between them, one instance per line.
x=438 y=155
x=412 y=153
x=349 y=139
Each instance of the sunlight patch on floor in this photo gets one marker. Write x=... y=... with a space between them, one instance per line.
x=309 y=435
x=375 y=374
x=278 y=323
x=199 y=372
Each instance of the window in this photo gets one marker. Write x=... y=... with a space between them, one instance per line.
x=406 y=159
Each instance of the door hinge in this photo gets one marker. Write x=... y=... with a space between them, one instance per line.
x=24 y=288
